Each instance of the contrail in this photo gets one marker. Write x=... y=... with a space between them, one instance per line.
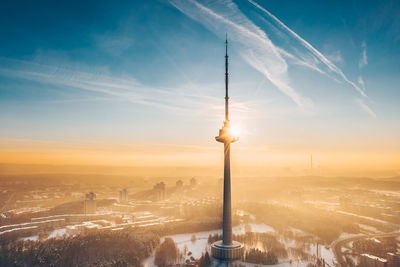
x=314 y=51
x=366 y=108
x=257 y=49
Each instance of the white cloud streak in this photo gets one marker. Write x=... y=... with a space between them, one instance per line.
x=256 y=48
x=124 y=88
x=310 y=48
x=364 y=59
x=361 y=82
x=180 y=99
x=336 y=56
x=366 y=108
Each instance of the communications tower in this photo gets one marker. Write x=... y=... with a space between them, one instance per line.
x=227 y=249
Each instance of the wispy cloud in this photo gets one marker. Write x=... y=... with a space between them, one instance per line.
x=365 y=107
x=361 y=82
x=364 y=59
x=112 y=43
x=126 y=88
x=311 y=49
x=335 y=56
x=256 y=48
x=104 y=86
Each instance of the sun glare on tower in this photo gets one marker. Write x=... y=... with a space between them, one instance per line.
x=235 y=130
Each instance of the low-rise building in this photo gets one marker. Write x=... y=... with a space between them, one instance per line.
x=393 y=260
x=367 y=260
x=89 y=205
x=123 y=195
x=159 y=190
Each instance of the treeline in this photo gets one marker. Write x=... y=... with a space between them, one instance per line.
x=257 y=256
x=167 y=253
x=96 y=247
x=384 y=227
x=205 y=260
x=99 y=248
x=326 y=225
x=72 y=207
x=266 y=241
x=189 y=226
x=271 y=251
x=378 y=247
x=76 y=207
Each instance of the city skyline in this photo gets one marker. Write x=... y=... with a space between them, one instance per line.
x=112 y=85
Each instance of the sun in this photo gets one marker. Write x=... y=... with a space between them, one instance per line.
x=235 y=130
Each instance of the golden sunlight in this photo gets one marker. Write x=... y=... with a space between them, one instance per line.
x=235 y=130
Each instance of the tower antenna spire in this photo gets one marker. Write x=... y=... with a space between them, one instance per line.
x=226 y=80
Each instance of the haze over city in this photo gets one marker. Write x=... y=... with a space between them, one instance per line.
x=110 y=115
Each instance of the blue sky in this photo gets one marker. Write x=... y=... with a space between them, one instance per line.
x=306 y=76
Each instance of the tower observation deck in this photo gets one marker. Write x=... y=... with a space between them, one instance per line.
x=227 y=249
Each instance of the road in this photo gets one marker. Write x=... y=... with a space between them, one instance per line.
x=337 y=245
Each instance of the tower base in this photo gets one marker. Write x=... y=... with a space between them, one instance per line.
x=227 y=252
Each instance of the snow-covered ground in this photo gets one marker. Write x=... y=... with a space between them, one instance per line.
x=201 y=244
x=58 y=233
x=324 y=204
x=347 y=235
x=369 y=228
x=387 y=193
x=31 y=238
x=360 y=216
x=284 y=264
x=28 y=210
x=198 y=247
x=252 y=227
x=325 y=253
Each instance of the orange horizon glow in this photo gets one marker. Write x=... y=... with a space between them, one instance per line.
x=246 y=160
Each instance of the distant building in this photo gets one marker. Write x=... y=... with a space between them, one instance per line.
x=159 y=191
x=123 y=195
x=393 y=260
x=179 y=183
x=193 y=182
x=89 y=205
x=368 y=260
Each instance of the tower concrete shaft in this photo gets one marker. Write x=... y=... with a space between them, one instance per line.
x=227 y=216
x=227 y=249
